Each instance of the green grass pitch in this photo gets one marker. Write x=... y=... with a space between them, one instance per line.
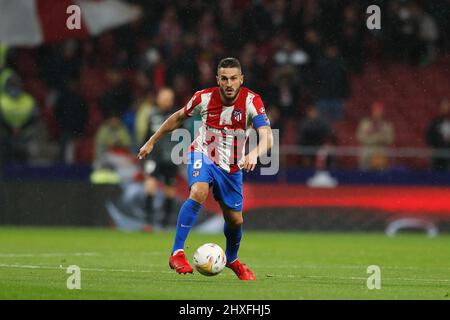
x=288 y=265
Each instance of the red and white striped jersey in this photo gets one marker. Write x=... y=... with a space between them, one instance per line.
x=224 y=129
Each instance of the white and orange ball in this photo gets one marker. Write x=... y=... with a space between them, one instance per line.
x=209 y=259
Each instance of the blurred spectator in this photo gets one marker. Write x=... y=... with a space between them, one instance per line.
x=352 y=38
x=438 y=136
x=285 y=95
x=329 y=19
x=141 y=119
x=412 y=33
x=312 y=45
x=274 y=115
x=295 y=19
x=229 y=23
x=159 y=165
x=61 y=63
x=390 y=33
x=112 y=134
x=252 y=69
x=440 y=11
x=206 y=70
x=428 y=34
x=169 y=29
x=71 y=113
x=118 y=98
x=278 y=10
x=289 y=57
x=207 y=33
x=18 y=116
x=374 y=134
x=257 y=22
x=402 y=39
x=313 y=133
x=183 y=62
x=333 y=85
x=154 y=68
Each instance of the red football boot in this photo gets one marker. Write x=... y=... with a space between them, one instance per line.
x=180 y=263
x=241 y=270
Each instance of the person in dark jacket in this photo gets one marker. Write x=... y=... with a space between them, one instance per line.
x=313 y=133
x=333 y=86
x=438 y=137
x=118 y=98
x=71 y=114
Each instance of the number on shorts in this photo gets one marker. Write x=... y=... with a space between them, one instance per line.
x=198 y=164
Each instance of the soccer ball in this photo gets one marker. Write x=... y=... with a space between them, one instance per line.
x=209 y=259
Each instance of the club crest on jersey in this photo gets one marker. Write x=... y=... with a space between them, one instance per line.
x=195 y=173
x=237 y=115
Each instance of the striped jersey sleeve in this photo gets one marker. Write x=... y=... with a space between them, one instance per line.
x=194 y=104
x=257 y=112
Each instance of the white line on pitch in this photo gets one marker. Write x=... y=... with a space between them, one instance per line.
x=24 y=266
x=88 y=254
x=314 y=266
x=17 y=266
x=53 y=254
x=358 y=278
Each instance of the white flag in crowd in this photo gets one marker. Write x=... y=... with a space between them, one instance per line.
x=33 y=22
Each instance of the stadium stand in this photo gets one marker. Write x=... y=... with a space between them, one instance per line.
x=179 y=43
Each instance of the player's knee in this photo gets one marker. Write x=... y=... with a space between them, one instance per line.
x=238 y=222
x=198 y=193
x=235 y=222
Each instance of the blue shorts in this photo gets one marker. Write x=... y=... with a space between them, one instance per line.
x=227 y=187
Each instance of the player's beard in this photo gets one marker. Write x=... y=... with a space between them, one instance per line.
x=225 y=98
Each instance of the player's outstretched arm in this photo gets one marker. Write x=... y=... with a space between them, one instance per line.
x=172 y=123
x=264 y=145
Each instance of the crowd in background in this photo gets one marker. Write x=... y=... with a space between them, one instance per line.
x=298 y=55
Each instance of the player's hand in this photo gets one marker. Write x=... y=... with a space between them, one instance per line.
x=249 y=162
x=145 y=151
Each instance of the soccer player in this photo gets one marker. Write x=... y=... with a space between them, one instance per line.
x=217 y=158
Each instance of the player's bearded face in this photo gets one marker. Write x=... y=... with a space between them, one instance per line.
x=229 y=81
